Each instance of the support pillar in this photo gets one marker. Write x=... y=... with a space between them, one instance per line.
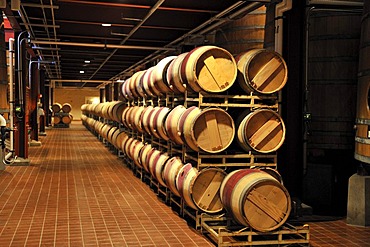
x=101 y=95
x=358 y=206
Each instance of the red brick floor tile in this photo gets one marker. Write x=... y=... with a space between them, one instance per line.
x=77 y=193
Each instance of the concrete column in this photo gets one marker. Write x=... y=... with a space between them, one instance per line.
x=358 y=206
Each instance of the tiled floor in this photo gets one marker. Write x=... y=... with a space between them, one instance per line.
x=77 y=193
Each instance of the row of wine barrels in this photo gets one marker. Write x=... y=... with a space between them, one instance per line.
x=210 y=130
x=110 y=133
x=65 y=119
x=210 y=69
x=66 y=108
x=253 y=197
x=107 y=110
x=207 y=68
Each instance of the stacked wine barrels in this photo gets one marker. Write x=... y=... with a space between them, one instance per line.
x=252 y=196
x=62 y=115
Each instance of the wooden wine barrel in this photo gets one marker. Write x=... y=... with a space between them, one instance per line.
x=117 y=111
x=105 y=110
x=262 y=130
x=111 y=133
x=159 y=74
x=205 y=190
x=126 y=148
x=209 y=68
x=143 y=156
x=97 y=126
x=245 y=33
x=170 y=172
x=135 y=78
x=136 y=153
x=261 y=71
x=67 y=119
x=184 y=179
x=159 y=122
x=56 y=107
x=151 y=117
x=125 y=89
x=125 y=115
x=160 y=165
x=66 y=108
x=104 y=130
x=137 y=116
x=122 y=136
x=362 y=139
x=139 y=84
x=186 y=126
x=131 y=150
x=174 y=79
x=128 y=118
x=111 y=109
x=98 y=109
x=115 y=137
x=210 y=131
x=153 y=155
x=57 y=119
x=172 y=122
x=255 y=199
x=145 y=118
x=148 y=85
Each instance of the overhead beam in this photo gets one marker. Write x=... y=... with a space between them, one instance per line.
x=121 y=25
x=40 y=25
x=104 y=46
x=35 y=5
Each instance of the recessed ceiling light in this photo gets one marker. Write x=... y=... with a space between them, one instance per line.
x=82 y=72
x=106 y=24
x=87 y=61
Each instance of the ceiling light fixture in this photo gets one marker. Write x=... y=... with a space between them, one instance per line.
x=82 y=72
x=131 y=19
x=87 y=61
x=106 y=24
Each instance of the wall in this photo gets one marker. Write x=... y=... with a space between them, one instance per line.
x=75 y=97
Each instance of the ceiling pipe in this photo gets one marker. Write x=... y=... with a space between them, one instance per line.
x=125 y=5
x=29 y=30
x=105 y=46
x=147 y=16
x=101 y=82
x=57 y=66
x=66 y=80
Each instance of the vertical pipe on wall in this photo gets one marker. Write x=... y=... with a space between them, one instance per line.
x=21 y=135
x=9 y=157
